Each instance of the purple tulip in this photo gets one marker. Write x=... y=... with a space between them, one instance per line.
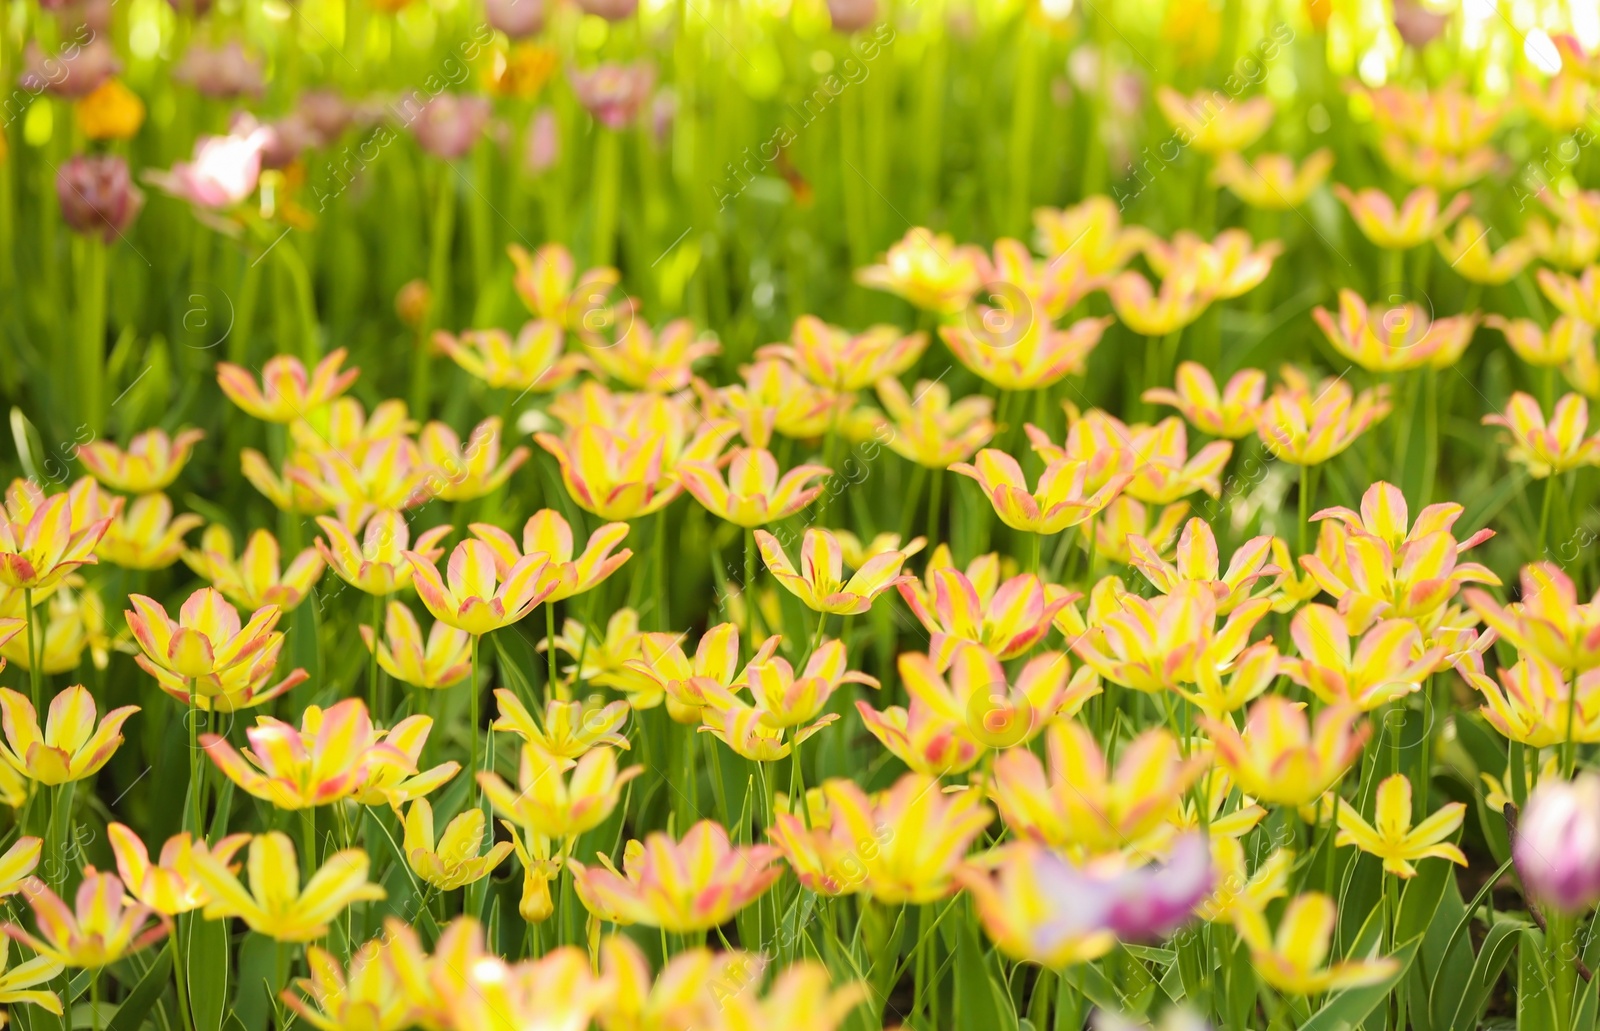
x=614 y=93
x=1151 y=902
x=222 y=73
x=76 y=70
x=98 y=197
x=1557 y=850
x=448 y=125
x=516 y=18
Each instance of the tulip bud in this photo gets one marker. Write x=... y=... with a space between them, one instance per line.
x=97 y=195
x=1557 y=850
x=543 y=145
x=412 y=302
x=516 y=18
x=76 y=70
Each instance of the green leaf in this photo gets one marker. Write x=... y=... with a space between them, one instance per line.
x=1492 y=959
x=1461 y=926
x=980 y=1001
x=1352 y=1006
x=1536 y=1009
x=1421 y=897
x=206 y=967
x=131 y=1013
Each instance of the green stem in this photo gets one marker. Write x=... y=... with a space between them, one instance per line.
x=935 y=488
x=90 y=383
x=472 y=705
x=606 y=174
x=749 y=589
x=380 y=710
x=444 y=215
x=35 y=674
x=308 y=838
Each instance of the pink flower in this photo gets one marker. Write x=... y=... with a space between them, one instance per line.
x=224 y=170
x=516 y=18
x=222 y=73
x=1558 y=844
x=448 y=125
x=76 y=70
x=97 y=195
x=614 y=93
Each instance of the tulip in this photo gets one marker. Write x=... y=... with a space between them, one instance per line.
x=922 y=737
x=819 y=582
x=682 y=886
x=1546 y=448
x=367 y=993
x=377 y=565
x=570 y=728
x=1303 y=426
x=1230 y=414
x=146 y=535
x=1212 y=123
x=1167 y=641
x=1063 y=496
x=643 y=359
x=1393 y=839
x=1272 y=182
x=788 y=700
x=41 y=544
x=255 y=578
x=534 y=852
x=752 y=494
x=927 y=429
x=1092 y=233
x=1401 y=338
x=171 y=885
x=1415 y=221
x=97 y=196
x=928 y=270
x=841 y=361
x=775 y=397
x=1543 y=348
x=547 y=534
x=1294 y=961
x=151 y=462
x=287 y=391
x=1537 y=706
x=1197 y=563
x=553 y=805
x=1557 y=847
x=442 y=662
x=685 y=683
x=17 y=983
x=98 y=930
x=18 y=862
x=1082 y=802
x=614 y=93
x=622 y=475
x=465 y=473
x=910 y=840
x=206 y=640
x=1142 y=308
x=275 y=904
x=516 y=18
x=74 y=71
x=1283 y=758
x=222 y=174
x=1013 y=346
x=453 y=861
x=448 y=124
x=1468 y=252
x=969 y=688
x=328 y=758
x=1006 y=618
x=1575 y=296
x=1037 y=908
x=226 y=72
x=1390 y=661
x=1238 y=889
x=549 y=284
x=71 y=747
x=531 y=363
x=478 y=597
